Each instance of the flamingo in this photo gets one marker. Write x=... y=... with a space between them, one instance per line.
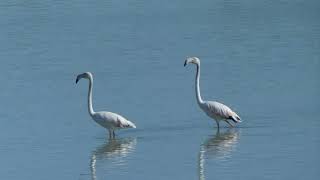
x=215 y=110
x=108 y=120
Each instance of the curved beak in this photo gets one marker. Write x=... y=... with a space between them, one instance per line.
x=78 y=78
x=185 y=63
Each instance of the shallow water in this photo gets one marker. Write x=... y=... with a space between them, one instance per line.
x=261 y=58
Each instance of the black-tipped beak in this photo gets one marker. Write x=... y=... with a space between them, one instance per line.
x=185 y=63
x=77 y=80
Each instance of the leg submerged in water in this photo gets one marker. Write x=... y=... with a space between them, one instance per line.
x=218 y=124
x=110 y=135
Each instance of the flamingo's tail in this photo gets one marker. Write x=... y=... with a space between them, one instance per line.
x=235 y=118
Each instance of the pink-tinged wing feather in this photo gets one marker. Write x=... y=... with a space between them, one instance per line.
x=222 y=110
x=123 y=123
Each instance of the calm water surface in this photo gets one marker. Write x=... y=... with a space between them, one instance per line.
x=261 y=58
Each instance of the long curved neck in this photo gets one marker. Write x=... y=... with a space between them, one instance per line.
x=90 y=109
x=199 y=99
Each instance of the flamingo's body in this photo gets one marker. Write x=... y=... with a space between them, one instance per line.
x=108 y=120
x=215 y=110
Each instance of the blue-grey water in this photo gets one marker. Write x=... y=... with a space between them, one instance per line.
x=261 y=58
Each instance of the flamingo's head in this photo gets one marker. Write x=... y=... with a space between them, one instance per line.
x=86 y=75
x=193 y=60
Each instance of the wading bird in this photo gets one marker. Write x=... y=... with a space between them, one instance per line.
x=213 y=109
x=108 y=120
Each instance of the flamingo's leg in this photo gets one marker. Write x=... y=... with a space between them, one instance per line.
x=218 y=124
x=110 y=135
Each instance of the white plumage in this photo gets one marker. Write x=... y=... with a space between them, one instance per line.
x=215 y=110
x=108 y=120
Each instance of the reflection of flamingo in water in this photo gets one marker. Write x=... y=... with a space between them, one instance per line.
x=219 y=146
x=115 y=149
